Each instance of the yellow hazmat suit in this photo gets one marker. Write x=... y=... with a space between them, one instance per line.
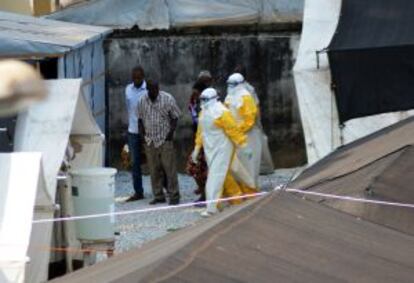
x=218 y=134
x=244 y=109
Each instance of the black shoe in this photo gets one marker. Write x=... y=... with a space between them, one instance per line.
x=155 y=201
x=135 y=197
x=174 y=202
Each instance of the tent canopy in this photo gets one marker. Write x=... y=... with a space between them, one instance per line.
x=378 y=167
x=26 y=36
x=163 y=14
x=372 y=58
x=278 y=238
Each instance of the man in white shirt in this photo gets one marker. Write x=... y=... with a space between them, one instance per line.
x=133 y=93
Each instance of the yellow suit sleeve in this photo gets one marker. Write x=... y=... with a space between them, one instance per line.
x=198 y=139
x=229 y=126
x=248 y=111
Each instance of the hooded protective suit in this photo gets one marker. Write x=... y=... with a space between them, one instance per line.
x=266 y=165
x=244 y=109
x=218 y=134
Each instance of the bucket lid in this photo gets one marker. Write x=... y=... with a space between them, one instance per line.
x=97 y=171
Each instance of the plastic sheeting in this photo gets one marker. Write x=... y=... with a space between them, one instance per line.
x=29 y=36
x=147 y=14
x=88 y=63
x=316 y=103
x=17 y=198
x=163 y=14
x=46 y=128
x=80 y=48
x=372 y=58
x=312 y=79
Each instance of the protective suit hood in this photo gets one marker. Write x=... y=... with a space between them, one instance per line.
x=235 y=79
x=208 y=98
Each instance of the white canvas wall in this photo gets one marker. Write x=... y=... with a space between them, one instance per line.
x=20 y=174
x=46 y=128
x=316 y=101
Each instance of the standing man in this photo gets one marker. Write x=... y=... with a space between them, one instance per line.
x=158 y=114
x=133 y=93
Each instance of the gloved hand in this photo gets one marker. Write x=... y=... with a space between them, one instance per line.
x=194 y=155
x=246 y=152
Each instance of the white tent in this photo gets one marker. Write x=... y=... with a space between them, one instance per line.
x=17 y=198
x=312 y=79
x=77 y=50
x=46 y=128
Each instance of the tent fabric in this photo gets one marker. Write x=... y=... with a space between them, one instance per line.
x=371 y=58
x=378 y=167
x=25 y=35
x=88 y=63
x=359 y=154
x=164 y=14
x=17 y=198
x=317 y=104
x=374 y=24
x=79 y=48
x=280 y=236
x=369 y=82
x=147 y=14
x=46 y=128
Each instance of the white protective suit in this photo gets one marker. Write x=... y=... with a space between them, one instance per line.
x=218 y=134
x=266 y=165
x=244 y=109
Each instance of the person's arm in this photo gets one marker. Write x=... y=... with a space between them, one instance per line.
x=173 y=126
x=141 y=127
x=174 y=114
x=198 y=145
x=248 y=111
x=230 y=128
x=198 y=138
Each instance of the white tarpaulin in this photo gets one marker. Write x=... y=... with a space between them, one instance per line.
x=20 y=174
x=163 y=14
x=46 y=128
x=316 y=101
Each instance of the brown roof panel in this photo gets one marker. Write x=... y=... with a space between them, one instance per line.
x=281 y=238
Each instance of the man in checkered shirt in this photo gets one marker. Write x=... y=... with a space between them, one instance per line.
x=158 y=114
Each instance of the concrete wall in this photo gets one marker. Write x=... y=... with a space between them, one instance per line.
x=176 y=60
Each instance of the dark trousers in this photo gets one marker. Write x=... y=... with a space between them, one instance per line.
x=134 y=143
x=162 y=164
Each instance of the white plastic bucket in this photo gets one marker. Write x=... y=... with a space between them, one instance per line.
x=93 y=191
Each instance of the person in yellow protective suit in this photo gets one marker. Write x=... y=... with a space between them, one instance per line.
x=218 y=134
x=243 y=107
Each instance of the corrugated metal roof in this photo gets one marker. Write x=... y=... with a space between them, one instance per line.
x=29 y=36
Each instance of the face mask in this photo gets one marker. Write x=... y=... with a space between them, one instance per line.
x=206 y=101
x=231 y=88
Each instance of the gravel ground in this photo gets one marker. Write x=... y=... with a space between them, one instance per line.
x=137 y=229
